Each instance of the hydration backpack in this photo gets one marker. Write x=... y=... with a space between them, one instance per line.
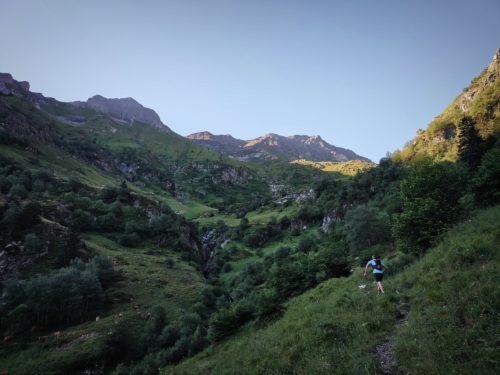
x=378 y=265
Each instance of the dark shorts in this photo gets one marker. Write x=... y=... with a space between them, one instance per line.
x=378 y=276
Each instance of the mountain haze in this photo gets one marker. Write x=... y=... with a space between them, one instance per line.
x=276 y=147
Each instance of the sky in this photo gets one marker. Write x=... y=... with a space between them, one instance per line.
x=364 y=75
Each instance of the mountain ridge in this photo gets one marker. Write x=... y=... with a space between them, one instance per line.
x=272 y=146
x=126 y=110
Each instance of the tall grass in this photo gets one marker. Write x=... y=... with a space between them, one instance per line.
x=451 y=328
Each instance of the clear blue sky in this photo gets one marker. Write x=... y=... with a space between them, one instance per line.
x=362 y=74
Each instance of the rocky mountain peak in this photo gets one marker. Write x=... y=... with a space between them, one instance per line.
x=9 y=86
x=202 y=136
x=126 y=109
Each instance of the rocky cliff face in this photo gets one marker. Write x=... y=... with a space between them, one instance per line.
x=125 y=109
x=273 y=146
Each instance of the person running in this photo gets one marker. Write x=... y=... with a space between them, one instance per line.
x=378 y=271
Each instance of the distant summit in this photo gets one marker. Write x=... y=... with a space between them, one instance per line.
x=125 y=109
x=274 y=147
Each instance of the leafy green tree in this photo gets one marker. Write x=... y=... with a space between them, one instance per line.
x=38 y=186
x=32 y=243
x=267 y=304
x=67 y=246
x=226 y=321
x=244 y=225
x=129 y=239
x=10 y=221
x=108 y=194
x=486 y=184
x=108 y=223
x=18 y=191
x=153 y=328
x=365 y=226
x=102 y=267
x=124 y=341
x=168 y=336
x=123 y=193
x=5 y=185
x=30 y=215
x=82 y=220
x=430 y=199
x=162 y=224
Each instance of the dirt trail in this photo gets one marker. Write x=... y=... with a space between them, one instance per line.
x=384 y=353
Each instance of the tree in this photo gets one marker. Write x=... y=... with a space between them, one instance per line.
x=32 y=243
x=364 y=227
x=82 y=220
x=487 y=181
x=108 y=194
x=123 y=192
x=11 y=218
x=430 y=199
x=18 y=191
x=470 y=144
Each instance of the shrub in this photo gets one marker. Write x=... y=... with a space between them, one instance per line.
x=226 y=321
x=268 y=305
x=129 y=239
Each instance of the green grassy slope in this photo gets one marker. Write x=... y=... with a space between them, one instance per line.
x=348 y=168
x=480 y=100
x=452 y=325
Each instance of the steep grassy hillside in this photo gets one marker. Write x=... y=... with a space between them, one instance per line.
x=439 y=315
x=480 y=101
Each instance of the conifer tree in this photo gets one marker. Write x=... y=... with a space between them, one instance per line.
x=469 y=143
